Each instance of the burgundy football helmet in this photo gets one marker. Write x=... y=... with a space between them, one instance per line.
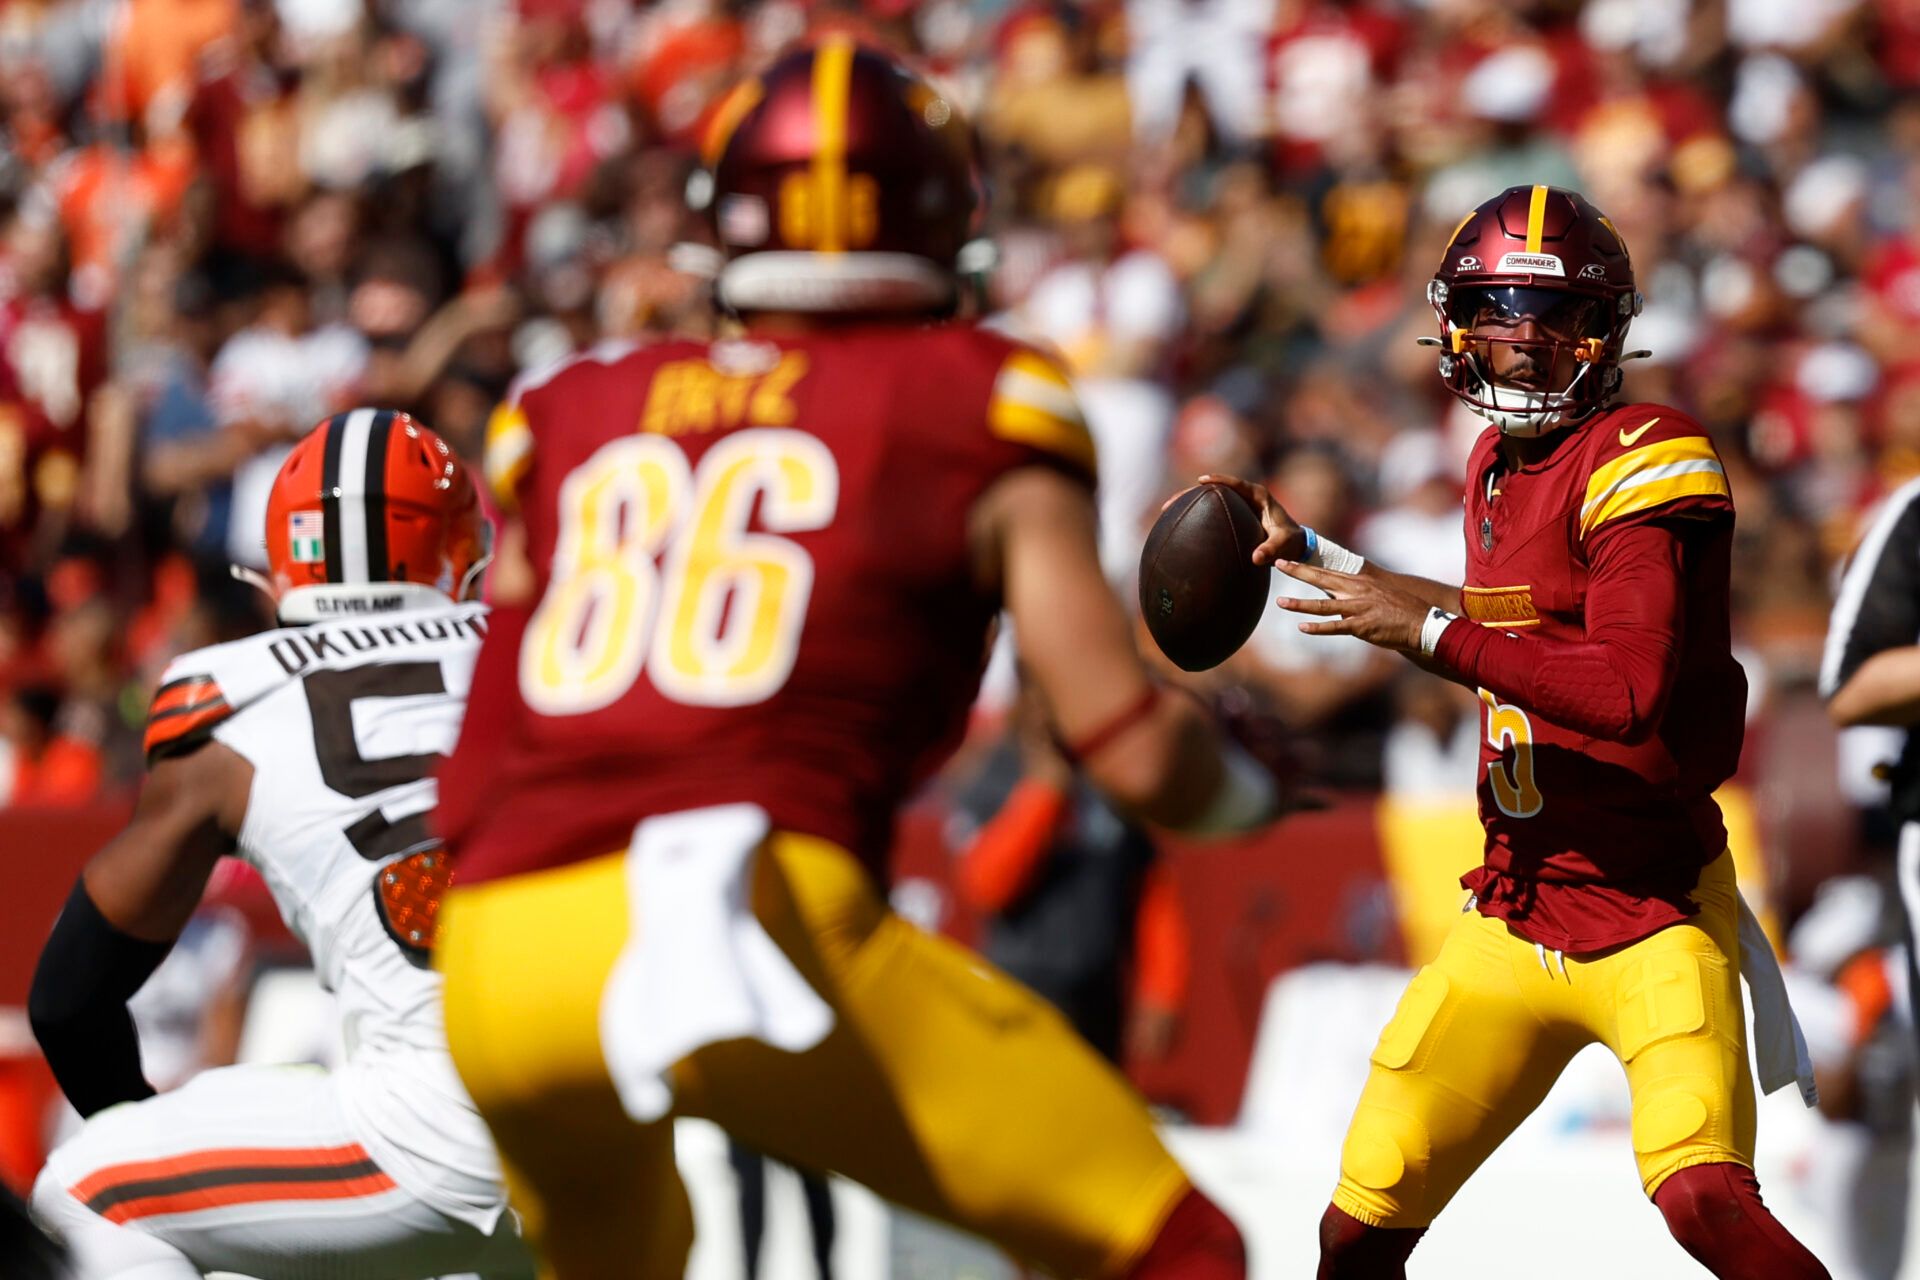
x=1534 y=297
x=840 y=182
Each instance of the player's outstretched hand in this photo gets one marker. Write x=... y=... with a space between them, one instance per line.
x=1285 y=538
x=1376 y=611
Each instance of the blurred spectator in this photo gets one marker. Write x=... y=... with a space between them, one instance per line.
x=1432 y=752
x=269 y=384
x=1074 y=903
x=1215 y=46
x=1419 y=530
x=1331 y=689
x=1113 y=311
x=41 y=761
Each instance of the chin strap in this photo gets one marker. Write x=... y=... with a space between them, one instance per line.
x=252 y=577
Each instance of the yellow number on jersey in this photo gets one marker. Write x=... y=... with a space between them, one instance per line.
x=1508 y=727
x=654 y=564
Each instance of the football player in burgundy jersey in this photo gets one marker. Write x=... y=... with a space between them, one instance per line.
x=1594 y=622
x=757 y=580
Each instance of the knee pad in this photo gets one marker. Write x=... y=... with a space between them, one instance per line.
x=1196 y=1242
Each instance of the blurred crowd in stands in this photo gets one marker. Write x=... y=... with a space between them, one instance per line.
x=221 y=220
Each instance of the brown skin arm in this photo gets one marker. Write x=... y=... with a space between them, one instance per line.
x=148 y=879
x=1286 y=541
x=1885 y=689
x=1033 y=536
x=512 y=577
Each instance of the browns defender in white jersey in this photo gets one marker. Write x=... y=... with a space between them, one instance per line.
x=308 y=751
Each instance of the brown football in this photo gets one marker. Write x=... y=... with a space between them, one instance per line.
x=1200 y=592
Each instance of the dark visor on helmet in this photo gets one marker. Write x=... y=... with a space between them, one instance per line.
x=1563 y=315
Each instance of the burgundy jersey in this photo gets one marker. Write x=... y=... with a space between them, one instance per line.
x=1593 y=842
x=754 y=584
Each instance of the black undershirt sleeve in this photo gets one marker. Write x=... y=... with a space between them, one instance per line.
x=78 y=1005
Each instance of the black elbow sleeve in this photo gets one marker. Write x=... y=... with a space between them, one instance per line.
x=78 y=1005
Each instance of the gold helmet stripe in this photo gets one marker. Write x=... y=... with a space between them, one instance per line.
x=1536 y=219
x=832 y=86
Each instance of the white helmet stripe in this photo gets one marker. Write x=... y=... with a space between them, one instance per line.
x=352 y=489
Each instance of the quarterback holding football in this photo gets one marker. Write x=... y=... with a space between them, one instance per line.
x=1594 y=623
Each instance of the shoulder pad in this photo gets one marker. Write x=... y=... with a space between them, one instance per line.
x=203 y=688
x=182 y=715
x=1032 y=403
x=510 y=436
x=1647 y=457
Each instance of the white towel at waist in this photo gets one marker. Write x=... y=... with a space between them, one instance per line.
x=1779 y=1046
x=697 y=968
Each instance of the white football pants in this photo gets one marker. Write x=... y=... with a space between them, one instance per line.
x=252 y=1170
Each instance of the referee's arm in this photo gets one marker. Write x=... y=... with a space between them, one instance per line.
x=1870 y=672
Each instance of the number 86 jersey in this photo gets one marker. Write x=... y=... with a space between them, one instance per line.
x=754 y=583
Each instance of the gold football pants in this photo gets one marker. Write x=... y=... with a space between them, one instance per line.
x=1483 y=1032
x=945 y=1086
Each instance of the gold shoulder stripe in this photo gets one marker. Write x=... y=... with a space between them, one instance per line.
x=1651 y=475
x=509 y=451
x=1033 y=404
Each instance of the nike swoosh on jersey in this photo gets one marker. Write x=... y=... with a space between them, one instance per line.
x=1628 y=437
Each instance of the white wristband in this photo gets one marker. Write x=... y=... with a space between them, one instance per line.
x=1437 y=622
x=1325 y=553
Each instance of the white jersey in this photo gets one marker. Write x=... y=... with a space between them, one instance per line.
x=343 y=723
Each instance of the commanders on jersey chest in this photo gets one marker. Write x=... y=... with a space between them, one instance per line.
x=295 y=653
x=1500 y=606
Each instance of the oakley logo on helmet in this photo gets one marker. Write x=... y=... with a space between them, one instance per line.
x=1535 y=263
x=1468 y=262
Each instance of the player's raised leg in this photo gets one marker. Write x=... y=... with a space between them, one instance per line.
x=951 y=1089
x=526 y=962
x=1677 y=1023
x=1466 y=1057
x=945 y=1086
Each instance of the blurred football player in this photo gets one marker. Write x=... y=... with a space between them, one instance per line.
x=764 y=570
x=1594 y=622
x=308 y=752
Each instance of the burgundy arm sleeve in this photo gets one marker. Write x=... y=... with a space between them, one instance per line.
x=1613 y=684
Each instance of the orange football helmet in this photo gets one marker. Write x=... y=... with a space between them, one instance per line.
x=371 y=513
